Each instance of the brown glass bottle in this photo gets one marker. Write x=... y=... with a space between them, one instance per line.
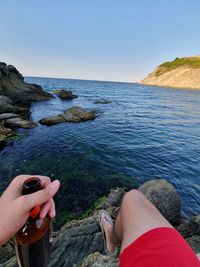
x=33 y=241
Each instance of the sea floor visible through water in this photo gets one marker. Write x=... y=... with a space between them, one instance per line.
x=145 y=133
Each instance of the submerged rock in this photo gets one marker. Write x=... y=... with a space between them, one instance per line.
x=73 y=114
x=102 y=101
x=164 y=196
x=65 y=94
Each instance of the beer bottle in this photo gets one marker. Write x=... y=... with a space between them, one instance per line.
x=33 y=241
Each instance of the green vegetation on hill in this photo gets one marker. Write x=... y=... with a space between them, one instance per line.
x=192 y=62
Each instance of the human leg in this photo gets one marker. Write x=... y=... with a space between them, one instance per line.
x=137 y=216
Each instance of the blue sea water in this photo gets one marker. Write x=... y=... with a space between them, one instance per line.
x=145 y=133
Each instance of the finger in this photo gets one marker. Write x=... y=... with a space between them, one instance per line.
x=15 y=188
x=46 y=208
x=42 y=196
x=52 y=212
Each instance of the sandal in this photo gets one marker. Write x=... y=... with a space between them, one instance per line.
x=103 y=217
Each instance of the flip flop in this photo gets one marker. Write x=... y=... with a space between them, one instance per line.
x=103 y=217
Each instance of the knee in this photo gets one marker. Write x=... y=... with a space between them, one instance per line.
x=133 y=195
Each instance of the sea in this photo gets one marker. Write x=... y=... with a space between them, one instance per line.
x=145 y=133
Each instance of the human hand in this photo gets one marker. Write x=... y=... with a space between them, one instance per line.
x=15 y=208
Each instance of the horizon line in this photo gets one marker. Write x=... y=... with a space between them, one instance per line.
x=48 y=77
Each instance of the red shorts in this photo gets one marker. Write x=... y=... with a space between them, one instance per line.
x=160 y=247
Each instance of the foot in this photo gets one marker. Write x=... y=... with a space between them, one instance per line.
x=109 y=234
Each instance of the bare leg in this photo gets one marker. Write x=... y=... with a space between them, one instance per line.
x=136 y=217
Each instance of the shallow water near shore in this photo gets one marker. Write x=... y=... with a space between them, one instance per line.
x=145 y=133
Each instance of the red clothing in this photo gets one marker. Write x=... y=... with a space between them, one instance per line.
x=160 y=247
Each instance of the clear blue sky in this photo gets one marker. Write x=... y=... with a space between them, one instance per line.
x=97 y=39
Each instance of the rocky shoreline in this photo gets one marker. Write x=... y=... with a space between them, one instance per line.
x=80 y=244
x=16 y=97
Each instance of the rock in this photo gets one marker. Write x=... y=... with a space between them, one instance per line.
x=99 y=260
x=5 y=116
x=13 y=86
x=78 y=239
x=194 y=225
x=69 y=117
x=82 y=113
x=6 y=104
x=18 y=122
x=6 y=252
x=51 y=120
x=103 y=101
x=65 y=94
x=74 y=114
x=164 y=196
x=194 y=243
x=4 y=134
x=183 y=228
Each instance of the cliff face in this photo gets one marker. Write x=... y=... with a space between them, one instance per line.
x=180 y=73
x=13 y=86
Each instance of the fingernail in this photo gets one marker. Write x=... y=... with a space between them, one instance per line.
x=55 y=184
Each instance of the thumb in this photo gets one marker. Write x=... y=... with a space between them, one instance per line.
x=42 y=196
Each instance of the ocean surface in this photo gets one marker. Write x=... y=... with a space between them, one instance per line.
x=145 y=133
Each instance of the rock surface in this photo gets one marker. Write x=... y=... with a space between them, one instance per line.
x=183 y=73
x=99 y=260
x=19 y=122
x=13 y=86
x=6 y=116
x=6 y=104
x=73 y=114
x=65 y=94
x=194 y=243
x=102 y=101
x=15 y=100
x=80 y=243
x=164 y=196
x=4 y=134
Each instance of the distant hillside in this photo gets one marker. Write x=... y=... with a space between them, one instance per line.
x=181 y=72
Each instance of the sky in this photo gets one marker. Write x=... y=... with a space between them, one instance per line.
x=116 y=40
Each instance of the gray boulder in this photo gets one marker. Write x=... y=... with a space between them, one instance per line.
x=165 y=197
x=65 y=94
x=73 y=114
